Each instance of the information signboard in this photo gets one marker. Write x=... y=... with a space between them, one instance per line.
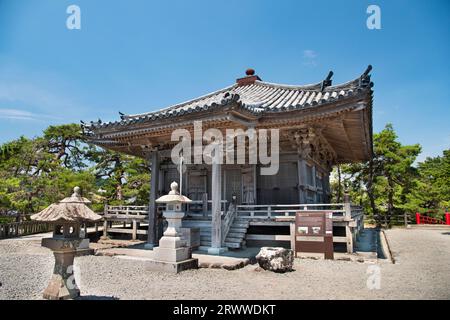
x=314 y=232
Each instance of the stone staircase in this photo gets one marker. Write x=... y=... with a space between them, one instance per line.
x=234 y=240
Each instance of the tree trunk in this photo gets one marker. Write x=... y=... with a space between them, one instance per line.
x=390 y=207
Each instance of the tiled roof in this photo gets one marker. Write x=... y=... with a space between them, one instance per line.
x=258 y=97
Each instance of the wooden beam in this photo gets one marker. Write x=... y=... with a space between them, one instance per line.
x=347 y=138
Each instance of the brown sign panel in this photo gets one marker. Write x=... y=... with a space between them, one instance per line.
x=314 y=232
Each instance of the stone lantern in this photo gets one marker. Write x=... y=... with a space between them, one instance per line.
x=67 y=217
x=173 y=253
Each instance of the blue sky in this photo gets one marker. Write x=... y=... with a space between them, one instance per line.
x=136 y=56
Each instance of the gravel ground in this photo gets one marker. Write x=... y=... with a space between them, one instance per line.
x=422 y=271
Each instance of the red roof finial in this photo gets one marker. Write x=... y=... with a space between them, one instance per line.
x=250 y=72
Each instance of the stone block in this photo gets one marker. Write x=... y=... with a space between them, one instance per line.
x=275 y=259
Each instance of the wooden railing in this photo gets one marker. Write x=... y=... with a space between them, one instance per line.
x=17 y=229
x=272 y=211
x=206 y=207
x=126 y=212
x=227 y=220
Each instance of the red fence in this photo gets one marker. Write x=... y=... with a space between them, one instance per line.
x=423 y=219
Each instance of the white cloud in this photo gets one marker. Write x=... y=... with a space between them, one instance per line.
x=309 y=54
x=17 y=114
x=29 y=94
x=309 y=58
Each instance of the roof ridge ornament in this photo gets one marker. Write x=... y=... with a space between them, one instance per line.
x=250 y=78
x=327 y=82
x=364 y=79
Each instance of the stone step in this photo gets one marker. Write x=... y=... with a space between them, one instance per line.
x=227 y=244
x=240 y=225
x=238 y=229
x=233 y=245
x=233 y=240
x=236 y=235
x=203 y=248
x=205 y=238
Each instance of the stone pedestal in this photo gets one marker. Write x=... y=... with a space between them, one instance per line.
x=173 y=254
x=62 y=284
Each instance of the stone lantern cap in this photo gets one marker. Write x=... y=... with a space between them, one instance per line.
x=72 y=209
x=174 y=196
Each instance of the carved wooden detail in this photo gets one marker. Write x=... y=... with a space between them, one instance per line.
x=311 y=144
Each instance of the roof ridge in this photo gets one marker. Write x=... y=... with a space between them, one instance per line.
x=311 y=86
x=252 y=98
x=174 y=106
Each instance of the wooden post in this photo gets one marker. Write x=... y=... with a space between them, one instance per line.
x=105 y=223
x=205 y=204
x=292 y=233
x=134 y=234
x=348 y=216
x=216 y=218
x=349 y=237
x=152 y=239
x=347 y=207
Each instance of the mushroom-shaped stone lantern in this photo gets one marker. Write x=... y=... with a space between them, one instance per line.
x=173 y=253
x=67 y=216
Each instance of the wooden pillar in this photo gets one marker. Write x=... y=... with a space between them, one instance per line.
x=105 y=223
x=292 y=234
x=255 y=175
x=216 y=219
x=349 y=238
x=348 y=217
x=301 y=171
x=205 y=204
x=314 y=182
x=134 y=234
x=152 y=239
x=347 y=207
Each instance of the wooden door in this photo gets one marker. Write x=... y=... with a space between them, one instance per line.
x=233 y=185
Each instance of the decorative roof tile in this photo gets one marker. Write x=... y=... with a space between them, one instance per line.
x=257 y=97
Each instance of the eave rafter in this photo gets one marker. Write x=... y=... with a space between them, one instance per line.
x=347 y=137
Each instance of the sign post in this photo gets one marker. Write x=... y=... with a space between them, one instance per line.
x=314 y=232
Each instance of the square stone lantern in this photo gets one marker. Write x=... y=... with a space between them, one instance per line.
x=67 y=217
x=173 y=254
